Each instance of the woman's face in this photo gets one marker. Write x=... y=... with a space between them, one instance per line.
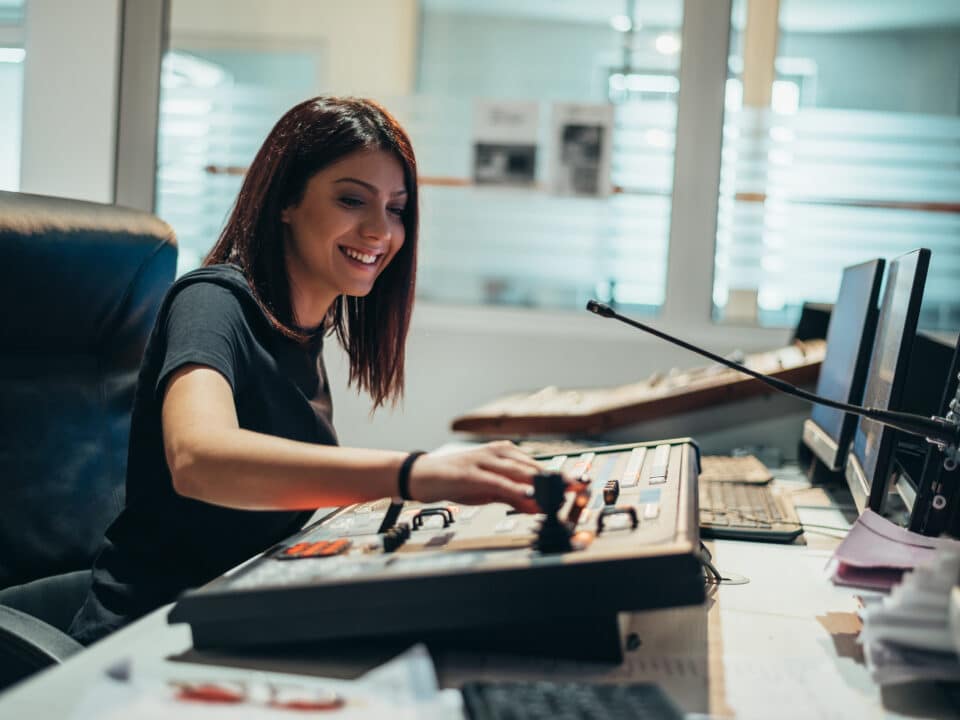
x=347 y=227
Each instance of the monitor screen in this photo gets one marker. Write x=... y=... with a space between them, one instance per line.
x=869 y=463
x=849 y=342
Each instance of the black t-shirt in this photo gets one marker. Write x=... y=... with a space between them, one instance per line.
x=162 y=542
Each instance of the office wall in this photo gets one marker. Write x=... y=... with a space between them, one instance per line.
x=516 y=58
x=70 y=98
x=904 y=71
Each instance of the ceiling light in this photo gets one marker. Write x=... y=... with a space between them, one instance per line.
x=667 y=44
x=621 y=23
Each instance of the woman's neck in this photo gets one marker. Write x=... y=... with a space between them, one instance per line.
x=308 y=306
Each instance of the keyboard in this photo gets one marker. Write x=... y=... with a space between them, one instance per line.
x=746 y=511
x=570 y=701
x=739 y=468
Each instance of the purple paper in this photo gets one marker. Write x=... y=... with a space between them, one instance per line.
x=874 y=542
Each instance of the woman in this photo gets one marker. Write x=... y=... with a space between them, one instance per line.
x=231 y=440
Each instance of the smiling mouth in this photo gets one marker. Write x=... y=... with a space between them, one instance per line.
x=359 y=256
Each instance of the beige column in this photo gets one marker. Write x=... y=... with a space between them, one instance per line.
x=760 y=52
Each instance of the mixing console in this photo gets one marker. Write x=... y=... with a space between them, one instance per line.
x=553 y=410
x=618 y=532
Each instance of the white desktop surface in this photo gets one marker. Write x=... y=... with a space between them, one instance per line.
x=781 y=646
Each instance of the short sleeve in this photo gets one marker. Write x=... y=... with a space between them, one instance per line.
x=204 y=326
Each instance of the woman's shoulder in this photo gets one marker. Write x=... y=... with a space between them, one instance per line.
x=213 y=281
x=221 y=290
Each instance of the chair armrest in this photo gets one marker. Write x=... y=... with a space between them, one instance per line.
x=28 y=645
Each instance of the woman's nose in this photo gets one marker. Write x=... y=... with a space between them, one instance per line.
x=376 y=224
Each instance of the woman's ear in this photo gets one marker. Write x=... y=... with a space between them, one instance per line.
x=285 y=216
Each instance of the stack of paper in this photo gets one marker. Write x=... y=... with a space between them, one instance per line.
x=907 y=635
x=875 y=553
x=403 y=688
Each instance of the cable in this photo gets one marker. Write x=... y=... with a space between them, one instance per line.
x=705 y=558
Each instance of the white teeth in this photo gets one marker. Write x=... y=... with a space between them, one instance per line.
x=362 y=257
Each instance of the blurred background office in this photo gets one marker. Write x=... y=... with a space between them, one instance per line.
x=758 y=147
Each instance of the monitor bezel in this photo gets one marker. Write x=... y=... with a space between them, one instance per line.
x=857 y=482
x=883 y=467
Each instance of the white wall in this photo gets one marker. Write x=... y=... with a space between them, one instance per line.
x=70 y=98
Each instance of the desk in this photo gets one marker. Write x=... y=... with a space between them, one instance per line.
x=780 y=646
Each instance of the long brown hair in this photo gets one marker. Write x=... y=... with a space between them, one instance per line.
x=309 y=137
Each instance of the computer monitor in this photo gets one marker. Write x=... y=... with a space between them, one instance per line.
x=828 y=432
x=869 y=463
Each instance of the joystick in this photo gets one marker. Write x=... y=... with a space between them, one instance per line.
x=554 y=534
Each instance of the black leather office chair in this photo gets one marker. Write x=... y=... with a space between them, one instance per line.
x=80 y=286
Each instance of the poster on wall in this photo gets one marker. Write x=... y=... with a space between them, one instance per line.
x=582 y=145
x=505 y=142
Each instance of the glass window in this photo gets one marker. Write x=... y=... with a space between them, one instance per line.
x=855 y=156
x=576 y=206
x=12 y=58
x=217 y=104
x=539 y=242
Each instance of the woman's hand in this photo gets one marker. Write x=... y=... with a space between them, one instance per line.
x=495 y=472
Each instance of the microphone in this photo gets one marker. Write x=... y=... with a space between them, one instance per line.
x=941 y=432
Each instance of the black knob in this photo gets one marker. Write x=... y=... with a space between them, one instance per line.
x=548 y=490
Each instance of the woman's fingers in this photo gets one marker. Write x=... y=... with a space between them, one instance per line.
x=490 y=487
x=510 y=468
x=506 y=449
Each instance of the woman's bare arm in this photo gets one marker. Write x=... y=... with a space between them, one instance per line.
x=214 y=460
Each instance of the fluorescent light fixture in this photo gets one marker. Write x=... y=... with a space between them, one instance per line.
x=657 y=138
x=621 y=23
x=667 y=44
x=12 y=55
x=652 y=83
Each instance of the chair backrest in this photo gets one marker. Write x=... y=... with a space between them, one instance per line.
x=80 y=286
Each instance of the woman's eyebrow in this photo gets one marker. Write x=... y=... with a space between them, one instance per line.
x=372 y=188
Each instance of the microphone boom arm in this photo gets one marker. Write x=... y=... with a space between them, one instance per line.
x=941 y=432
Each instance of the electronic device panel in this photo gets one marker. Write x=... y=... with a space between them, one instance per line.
x=593 y=411
x=937 y=507
x=869 y=463
x=828 y=432
x=625 y=537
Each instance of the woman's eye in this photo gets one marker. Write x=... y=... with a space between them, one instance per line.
x=398 y=211
x=351 y=201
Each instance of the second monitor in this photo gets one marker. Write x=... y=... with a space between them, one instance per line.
x=906 y=373
x=828 y=432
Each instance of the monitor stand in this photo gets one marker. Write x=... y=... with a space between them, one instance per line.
x=821 y=476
